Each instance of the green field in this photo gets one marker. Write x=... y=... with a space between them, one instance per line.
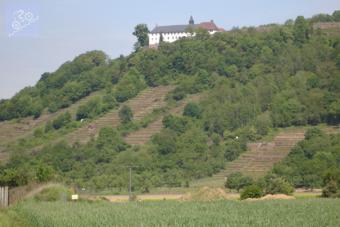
x=301 y=212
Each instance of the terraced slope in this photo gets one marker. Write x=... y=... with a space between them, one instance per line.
x=143 y=104
x=258 y=160
x=262 y=156
x=143 y=135
x=15 y=129
x=3 y=154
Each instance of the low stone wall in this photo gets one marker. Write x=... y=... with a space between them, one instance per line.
x=326 y=25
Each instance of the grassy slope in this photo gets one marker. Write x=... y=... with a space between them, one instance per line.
x=304 y=212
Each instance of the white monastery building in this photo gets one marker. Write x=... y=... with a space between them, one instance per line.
x=172 y=33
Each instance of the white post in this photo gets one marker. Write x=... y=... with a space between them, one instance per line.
x=1 y=197
x=6 y=196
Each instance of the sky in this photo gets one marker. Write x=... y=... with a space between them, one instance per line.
x=37 y=36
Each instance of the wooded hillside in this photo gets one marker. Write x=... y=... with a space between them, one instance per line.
x=253 y=82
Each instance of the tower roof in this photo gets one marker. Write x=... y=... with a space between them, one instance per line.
x=191 y=21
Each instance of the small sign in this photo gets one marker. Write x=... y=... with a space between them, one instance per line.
x=75 y=197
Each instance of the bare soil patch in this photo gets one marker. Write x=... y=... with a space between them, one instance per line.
x=271 y=197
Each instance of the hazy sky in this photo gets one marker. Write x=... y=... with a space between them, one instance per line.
x=59 y=30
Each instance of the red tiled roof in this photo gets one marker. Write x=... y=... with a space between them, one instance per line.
x=208 y=26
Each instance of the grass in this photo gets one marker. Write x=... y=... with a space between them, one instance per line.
x=306 y=212
x=9 y=218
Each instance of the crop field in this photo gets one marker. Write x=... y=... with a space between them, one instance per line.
x=300 y=212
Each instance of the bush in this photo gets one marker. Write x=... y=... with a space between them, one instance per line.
x=278 y=185
x=38 y=133
x=125 y=114
x=90 y=109
x=44 y=173
x=331 y=190
x=178 y=124
x=313 y=133
x=62 y=120
x=178 y=94
x=237 y=181
x=263 y=124
x=129 y=86
x=57 y=193
x=252 y=191
x=192 y=110
x=331 y=180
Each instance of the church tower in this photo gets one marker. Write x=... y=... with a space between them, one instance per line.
x=191 y=21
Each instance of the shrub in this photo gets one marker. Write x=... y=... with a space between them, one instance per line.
x=278 y=185
x=38 y=132
x=109 y=102
x=178 y=124
x=48 y=126
x=129 y=86
x=331 y=180
x=62 y=120
x=57 y=193
x=90 y=109
x=192 y=110
x=44 y=173
x=237 y=181
x=125 y=114
x=178 y=94
x=263 y=124
x=251 y=191
x=331 y=190
x=313 y=133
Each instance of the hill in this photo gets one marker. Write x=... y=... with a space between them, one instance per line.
x=191 y=107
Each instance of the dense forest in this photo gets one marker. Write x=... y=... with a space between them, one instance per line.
x=253 y=82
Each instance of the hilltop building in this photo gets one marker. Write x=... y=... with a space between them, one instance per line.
x=172 y=33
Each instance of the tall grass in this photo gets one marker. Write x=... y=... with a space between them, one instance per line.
x=308 y=212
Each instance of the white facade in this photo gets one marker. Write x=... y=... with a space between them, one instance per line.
x=172 y=33
x=154 y=38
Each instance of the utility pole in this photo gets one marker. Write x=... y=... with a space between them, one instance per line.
x=130 y=181
x=130 y=184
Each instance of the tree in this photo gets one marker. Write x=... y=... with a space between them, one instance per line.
x=192 y=110
x=165 y=142
x=125 y=114
x=129 y=86
x=278 y=185
x=237 y=181
x=141 y=32
x=301 y=30
x=336 y=15
x=263 y=124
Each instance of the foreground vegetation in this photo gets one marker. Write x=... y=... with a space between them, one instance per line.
x=307 y=212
